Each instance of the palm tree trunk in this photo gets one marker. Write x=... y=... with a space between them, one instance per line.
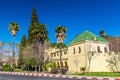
x=13 y=54
x=60 y=57
x=41 y=55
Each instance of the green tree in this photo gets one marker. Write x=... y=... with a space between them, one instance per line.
x=40 y=35
x=34 y=18
x=21 y=49
x=83 y=70
x=13 y=27
x=55 y=45
x=34 y=21
x=29 y=58
x=102 y=33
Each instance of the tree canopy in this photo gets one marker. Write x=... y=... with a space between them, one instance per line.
x=34 y=22
x=13 y=27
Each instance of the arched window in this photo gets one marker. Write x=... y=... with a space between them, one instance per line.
x=105 y=49
x=79 y=50
x=54 y=54
x=73 y=50
x=66 y=65
x=65 y=52
x=98 y=49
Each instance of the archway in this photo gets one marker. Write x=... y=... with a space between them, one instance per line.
x=66 y=64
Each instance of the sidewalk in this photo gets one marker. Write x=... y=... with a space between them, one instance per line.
x=60 y=76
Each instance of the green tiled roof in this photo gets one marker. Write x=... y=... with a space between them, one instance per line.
x=87 y=36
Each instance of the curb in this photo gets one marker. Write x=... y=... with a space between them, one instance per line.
x=59 y=76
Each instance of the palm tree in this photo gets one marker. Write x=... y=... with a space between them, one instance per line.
x=60 y=34
x=14 y=28
x=60 y=30
x=55 y=45
x=102 y=33
x=40 y=35
x=83 y=70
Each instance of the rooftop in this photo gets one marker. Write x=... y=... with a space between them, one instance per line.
x=86 y=35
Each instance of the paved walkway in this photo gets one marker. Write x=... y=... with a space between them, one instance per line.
x=60 y=76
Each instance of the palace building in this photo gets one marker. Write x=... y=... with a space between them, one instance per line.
x=86 y=50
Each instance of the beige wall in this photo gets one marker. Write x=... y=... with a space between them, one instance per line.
x=99 y=64
x=76 y=59
x=98 y=61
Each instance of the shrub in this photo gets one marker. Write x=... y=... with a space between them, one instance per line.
x=48 y=65
x=83 y=70
x=6 y=68
x=63 y=70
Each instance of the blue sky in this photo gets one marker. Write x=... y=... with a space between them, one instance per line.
x=76 y=15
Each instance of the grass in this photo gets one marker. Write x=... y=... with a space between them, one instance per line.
x=107 y=74
x=18 y=70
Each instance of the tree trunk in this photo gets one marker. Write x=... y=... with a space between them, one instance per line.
x=35 y=68
x=89 y=65
x=60 y=57
x=39 y=69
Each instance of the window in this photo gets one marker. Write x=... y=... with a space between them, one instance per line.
x=54 y=54
x=79 y=50
x=99 y=51
x=65 y=52
x=73 y=50
x=105 y=49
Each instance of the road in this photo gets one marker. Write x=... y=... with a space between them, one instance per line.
x=22 y=77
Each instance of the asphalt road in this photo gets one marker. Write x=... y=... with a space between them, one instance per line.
x=21 y=77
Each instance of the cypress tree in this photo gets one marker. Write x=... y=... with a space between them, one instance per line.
x=34 y=18
x=21 y=48
x=34 y=21
x=23 y=41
